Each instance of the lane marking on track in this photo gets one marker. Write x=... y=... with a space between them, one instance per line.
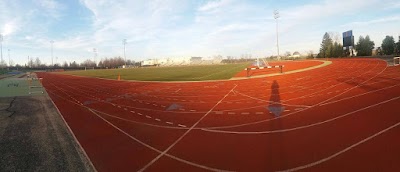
x=304 y=126
x=187 y=132
x=289 y=114
x=358 y=95
x=170 y=123
x=147 y=116
x=140 y=114
x=180 y=125
x=142 y=143
x=154 y=149
x=340 y=152
x=157 y=119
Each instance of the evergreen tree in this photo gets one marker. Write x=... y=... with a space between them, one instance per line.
x=337 y=50
x=364 y=46
x=398 y=47
x=388 y=45
x=326 y=46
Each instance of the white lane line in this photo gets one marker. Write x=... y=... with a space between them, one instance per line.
x=231 y=113
x=259 y=113
x=140 y=114
x=180 y=125
x=125 y=109
x=219 y=112
x=358 y=95
x=340 y=152
x=170 y=123
x=133 y=111
x=304 y=126
x=148 y=116
x=245 y=113
x=289 y=114
x=154 y=149
x=187 y=132
x=157 y=119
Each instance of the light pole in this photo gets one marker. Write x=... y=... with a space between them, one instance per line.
x=9 y=59
x=276 y=16
x=124 y=42
x=94 y=56
x=52 y=64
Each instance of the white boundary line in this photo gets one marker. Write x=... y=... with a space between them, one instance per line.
x=340 y=152
x=187 y=132
x=154 y=149
x=142 y=143
x=73 y=135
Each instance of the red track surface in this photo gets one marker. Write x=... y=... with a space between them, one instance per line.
x=342 y=117
x=288 y=66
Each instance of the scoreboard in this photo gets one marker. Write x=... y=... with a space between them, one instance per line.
x=348 y=38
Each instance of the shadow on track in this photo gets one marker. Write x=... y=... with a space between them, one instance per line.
x=276 y=143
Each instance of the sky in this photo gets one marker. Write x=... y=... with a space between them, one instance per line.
x=183 y=28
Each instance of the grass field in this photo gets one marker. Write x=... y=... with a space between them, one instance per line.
x=177 y=73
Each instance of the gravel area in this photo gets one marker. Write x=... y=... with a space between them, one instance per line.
x=34 y=137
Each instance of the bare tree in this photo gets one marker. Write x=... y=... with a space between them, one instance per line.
x=37 y=62
x=335 y=36
x=65 y=65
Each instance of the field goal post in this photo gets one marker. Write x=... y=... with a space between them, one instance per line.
x=396 y=61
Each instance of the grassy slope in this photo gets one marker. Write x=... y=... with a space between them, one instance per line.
x=179 y=73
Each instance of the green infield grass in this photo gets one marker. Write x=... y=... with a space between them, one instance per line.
x=175 y=73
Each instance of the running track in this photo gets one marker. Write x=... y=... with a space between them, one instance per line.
x=342 y=117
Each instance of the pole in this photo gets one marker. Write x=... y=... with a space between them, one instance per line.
x=52 y=64
x=94 y=55
x=124 y=51
x=9 y=59
x=277 y=37
x=276 y=16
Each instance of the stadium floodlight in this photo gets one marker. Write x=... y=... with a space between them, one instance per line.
x=52 y=42
x=276 y=16
x=124 y=42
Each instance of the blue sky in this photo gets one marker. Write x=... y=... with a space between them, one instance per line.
x=184 y=28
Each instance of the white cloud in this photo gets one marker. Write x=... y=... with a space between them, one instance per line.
x=174 y=28
x=214 y=4
x=8 y=28
x=374 y=21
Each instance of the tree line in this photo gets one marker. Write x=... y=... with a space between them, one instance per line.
x=105 y=63
x=364 y=46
